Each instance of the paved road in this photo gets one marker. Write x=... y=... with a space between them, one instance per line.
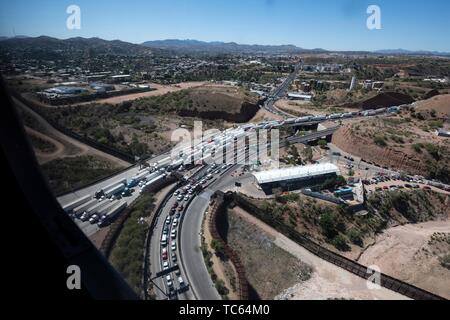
x=280 y=91
x=191 y=254
x=156 y=259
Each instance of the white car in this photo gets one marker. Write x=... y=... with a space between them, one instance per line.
x=175 y=222
x=93 y=219
x=165 y=265
x=186 y=198
x=181 y=281
x=169 y=281
x=173 y=234
x=173 y=247
x=168 y=220
x=180 y=198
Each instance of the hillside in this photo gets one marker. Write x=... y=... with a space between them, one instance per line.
x=382 y=100
x=342 y=231
x=146 y=125
x=439 y=104
x=406 y=142
x=207 y=102
x=217 y=47
x=48 y=48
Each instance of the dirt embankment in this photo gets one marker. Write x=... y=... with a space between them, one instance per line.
x=245 y=114
x=439 y=104
x=413 y=253
x=269 y=268
x=382 y=100
x=365 y=148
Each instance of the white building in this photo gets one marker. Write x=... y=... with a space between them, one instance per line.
x=299 y=96
x=293 y=178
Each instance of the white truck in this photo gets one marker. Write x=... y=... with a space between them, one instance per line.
x=76 y=203
x=115 y=190
x=110 y=186
x=80 y=209
x=111 y=214
x=148 y=183
x=95 y=208
x=141 y=175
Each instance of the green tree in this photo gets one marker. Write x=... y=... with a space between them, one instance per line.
x=322 y=143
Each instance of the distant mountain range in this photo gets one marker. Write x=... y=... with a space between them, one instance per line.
x=217 y=47
x=409 y=52
x=42 y=44
x=195 y=46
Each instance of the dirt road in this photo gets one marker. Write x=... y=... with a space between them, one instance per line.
x=70 y=146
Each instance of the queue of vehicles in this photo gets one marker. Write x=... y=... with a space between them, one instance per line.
x=172 y=221
x=106 y=203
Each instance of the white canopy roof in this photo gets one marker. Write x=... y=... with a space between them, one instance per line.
x=295 y=172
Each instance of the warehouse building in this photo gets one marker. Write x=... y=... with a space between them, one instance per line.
x=295 y=178
x=102 y=87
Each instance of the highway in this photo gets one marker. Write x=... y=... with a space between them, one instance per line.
x=280 y=91
x=190 y=239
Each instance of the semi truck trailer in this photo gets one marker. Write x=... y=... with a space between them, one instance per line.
x=76 y=203
x=110 y=186
x=80 y=209
x=115 y=190
x=111 y=214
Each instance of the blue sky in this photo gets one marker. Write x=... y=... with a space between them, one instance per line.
x=328 y=24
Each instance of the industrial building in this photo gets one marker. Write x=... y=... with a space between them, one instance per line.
x=102 y=87
x=120 y=77
x=64 y=91
x=294 y=178
x=299 y=96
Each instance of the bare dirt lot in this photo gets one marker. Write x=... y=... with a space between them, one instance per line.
x=160 y=90
x=411 y=253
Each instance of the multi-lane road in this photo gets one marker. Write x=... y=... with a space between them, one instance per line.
x=280 y=92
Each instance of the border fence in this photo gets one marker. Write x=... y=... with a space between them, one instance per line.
x=219 y=207
x=388 y=282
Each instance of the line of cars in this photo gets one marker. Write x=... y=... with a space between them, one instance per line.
x=172 y=221
x=169 y=252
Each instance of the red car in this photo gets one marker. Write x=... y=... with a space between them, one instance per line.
x=164 y=254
